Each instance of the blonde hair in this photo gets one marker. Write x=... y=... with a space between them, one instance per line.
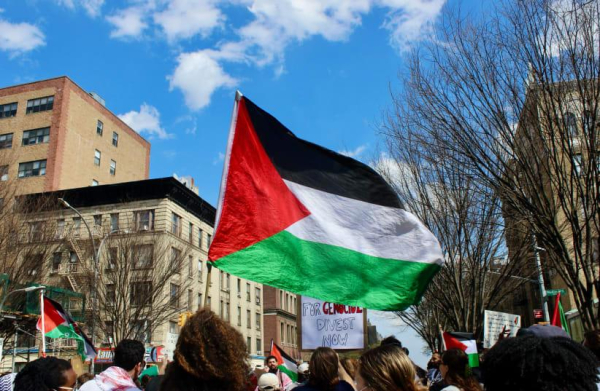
x=388 y=368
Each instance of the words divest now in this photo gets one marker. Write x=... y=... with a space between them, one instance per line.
x=332 y=325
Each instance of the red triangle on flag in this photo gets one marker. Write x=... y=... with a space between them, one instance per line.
x=257 y=203
x=453 y=343
x=52 y=317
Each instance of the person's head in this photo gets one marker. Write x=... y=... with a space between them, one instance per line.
x=530 y=364
x=210 y=354
x=268 y=382
x=46 y=374
x=350 y=365
x=435 y=360
x=84 y=378
x=129 y=355
x=456 y=371
x=591 y=340
x=144 y=381
x=271 y=363
x=303 y=372
x=391 y=340
x=385 y=368
x=323 y=369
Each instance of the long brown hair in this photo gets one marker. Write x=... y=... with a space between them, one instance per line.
x=210 y=355
x=323 y=369
x=459 y=372
x=387 y=368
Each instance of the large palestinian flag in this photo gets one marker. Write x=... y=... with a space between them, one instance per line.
x=299 y=217
x=465 y=342
x=59 y=324
x=285 y=363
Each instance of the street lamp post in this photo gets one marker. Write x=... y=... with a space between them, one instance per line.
x=94 y=260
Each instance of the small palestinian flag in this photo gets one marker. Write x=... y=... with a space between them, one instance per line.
x=302 y=218
x=465 y=342
x=285 y=363
x=558 y=318
x=59 y=324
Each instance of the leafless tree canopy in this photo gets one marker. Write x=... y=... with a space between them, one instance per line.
x=509 y=103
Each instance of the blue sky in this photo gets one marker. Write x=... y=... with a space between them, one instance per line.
x=170 y=68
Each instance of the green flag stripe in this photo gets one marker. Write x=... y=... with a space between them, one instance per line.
x=321 y=270
x=473 y=360
x=292 y=375
x=63 y=331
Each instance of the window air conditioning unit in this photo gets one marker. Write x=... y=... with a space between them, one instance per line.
x=259 y=352
x=145 y=228
x=239 y=294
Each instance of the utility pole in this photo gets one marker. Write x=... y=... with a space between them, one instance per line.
x=538 y=264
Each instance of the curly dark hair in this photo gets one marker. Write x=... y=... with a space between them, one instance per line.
x=591 y=340
x=459 y=372
x=43 y=374
x=531 y=363
x=210 y=355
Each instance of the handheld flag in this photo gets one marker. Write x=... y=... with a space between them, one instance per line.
x=299 y=217
x=558 y=318
x=59 y=324
x=465 y=342
x=285 y=363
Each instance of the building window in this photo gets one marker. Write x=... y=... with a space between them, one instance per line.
x=248 y=291
x=176 y=261
x=76 y=226
x=577 y=163
x=60 y=228
x=141 y=293
x=190 y=266
x=239 y=316
x=257 y=292
x=99 y=128
x=208 y=240
x=94 y=182
x=190 y=300
x=110 y=293
x=40 y=104
x=97 y=157
x=113 y=167
x=208 y=302
x=249 y=344
x=248 y=319
x=281 y=333
x=257 y=321
x=142 y=255
x=33 y=264
x=115 y=139
x=144 y=220
x=173 y=328
x=36 y=136
x=199 y=269
x=98 y=220
x=571 y=123
x=191 y=232
x=8 y=110
x=239 y=288
x=56 y=260
x=200 y=237
x=3 y=173
x=174 y=295
x=176 y=224
x=29 y=169
x=113 y=254
x=114 y=222
x=142 y=330
x=6 y=140
x=258 y=346
x=200 y=303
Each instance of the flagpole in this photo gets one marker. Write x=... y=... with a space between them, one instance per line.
x=442 y=336
x=43 y=322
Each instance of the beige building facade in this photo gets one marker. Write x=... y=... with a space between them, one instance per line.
x=152 y=237
x=54 y=135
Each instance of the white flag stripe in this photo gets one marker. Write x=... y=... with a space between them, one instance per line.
x=375 y=230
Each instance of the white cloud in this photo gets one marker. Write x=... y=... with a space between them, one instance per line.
x=92 y=7
x=198 y=75
x=147 y=120
x=220 y=157
x=17 y=38
x=186 y=18
x=128 y=22
x=354 y=153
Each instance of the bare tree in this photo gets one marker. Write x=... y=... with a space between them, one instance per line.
x=512 y=100
x=143 y=283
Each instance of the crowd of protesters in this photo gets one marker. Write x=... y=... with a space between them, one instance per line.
x=211 y=356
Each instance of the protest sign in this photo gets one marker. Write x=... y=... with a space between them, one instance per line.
x=494 y=322
x=332 y=325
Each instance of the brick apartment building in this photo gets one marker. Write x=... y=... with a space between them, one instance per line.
x=280 y=318
x=144 y=227
x=54 y=135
